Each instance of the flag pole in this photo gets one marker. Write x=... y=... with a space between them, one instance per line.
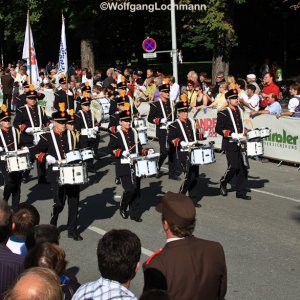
x=29 y=46
x=67 y=76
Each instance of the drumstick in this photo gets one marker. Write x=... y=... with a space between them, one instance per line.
x=133 y=146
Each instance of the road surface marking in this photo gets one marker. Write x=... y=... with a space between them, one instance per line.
x=102 y=232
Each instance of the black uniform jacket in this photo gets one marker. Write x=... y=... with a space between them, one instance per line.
x=156 y=114
x=116 y=148
x=46 y=146
x=79 y=123
x=22 y=122
x=225 y=128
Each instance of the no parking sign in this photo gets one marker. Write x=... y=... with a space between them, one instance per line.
x=149 y=45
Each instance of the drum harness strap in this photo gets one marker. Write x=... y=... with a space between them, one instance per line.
x=30 y=117
x=242 y=149
x=127 y=149
x=186 y=139
x=85 y=123
x=163 y=110
x=55 y=143
x=14 y=136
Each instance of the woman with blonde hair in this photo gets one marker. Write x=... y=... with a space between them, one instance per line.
x=230 y=82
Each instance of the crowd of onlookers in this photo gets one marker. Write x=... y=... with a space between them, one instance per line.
x=258 y=96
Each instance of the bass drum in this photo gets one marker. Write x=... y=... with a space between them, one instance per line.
x=97 y=110
x=105 y=104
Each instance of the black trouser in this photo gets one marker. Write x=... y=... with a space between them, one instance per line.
x=235 y=168
x=12 y=186
x=7 y=101
x=60 y=195
x=164 y=153
x=131 y=194
x=190 y=179
x=41 y=168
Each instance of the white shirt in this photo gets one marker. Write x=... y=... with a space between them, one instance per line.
x=103 y=289
x=174 y=92
x=293 y=103
x=254 y=103
x=243 y=95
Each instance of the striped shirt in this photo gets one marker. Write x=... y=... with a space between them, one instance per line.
x=103 y=289
x=11 y=265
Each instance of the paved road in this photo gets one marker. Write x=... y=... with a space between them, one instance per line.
x=260 y=237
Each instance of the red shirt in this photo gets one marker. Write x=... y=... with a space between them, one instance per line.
x=271 y=88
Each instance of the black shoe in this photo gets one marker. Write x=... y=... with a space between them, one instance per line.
x=53 y=221
x=25 y=179
x=197 y=205
x=117 y=180
x=159 y=174
x=223 y=190
x=42 y=180
x=91 y=170
x=174 y=177
x=245 y=197
x=124 y=214
x=75 y=236
x=136 y=219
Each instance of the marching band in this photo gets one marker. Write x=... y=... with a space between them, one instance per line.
x=65 y=147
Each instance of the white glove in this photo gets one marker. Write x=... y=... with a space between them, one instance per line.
x=183 y=144
x=206 y=134
x=50 y=159
x=241 y=136
x=95 y=129
x=235 y=136
x=125 y=153
x=150 y=151
x=51 y=126
x=164 y=121
x=1 y=149
x=29 y=130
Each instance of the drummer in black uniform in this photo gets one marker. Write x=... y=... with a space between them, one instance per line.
x=86 y=125
x=162 y=112
x=121 y=92
x=230 y=125
x=9 y=141
x=64 y=95
x=123 y=143
x=21 y=100
x=27 y=117
x=51 y=148
x=86 y=92
x=182 y=134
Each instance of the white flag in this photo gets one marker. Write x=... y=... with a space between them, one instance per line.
x=63 y=56
x=30 y=56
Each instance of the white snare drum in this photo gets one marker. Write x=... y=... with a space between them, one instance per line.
x=140 y=123
x=202 y=155
x=73 y=156
x=87 y=154
x=105 y=103
x=255 y=148
x=18 y=161
x=72 y=174
x=253 y=134
x=265 y=132
x=146 y=166
x=143 y=137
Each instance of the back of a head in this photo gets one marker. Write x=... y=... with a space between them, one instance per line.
x=36 y=284
x=241 y=83
x=5 y=221
x=24 y=218
x=155 y=295
x=46 y=255
x=42 y=233
x=118 y=253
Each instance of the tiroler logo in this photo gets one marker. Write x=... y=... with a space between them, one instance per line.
x=283 y=138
